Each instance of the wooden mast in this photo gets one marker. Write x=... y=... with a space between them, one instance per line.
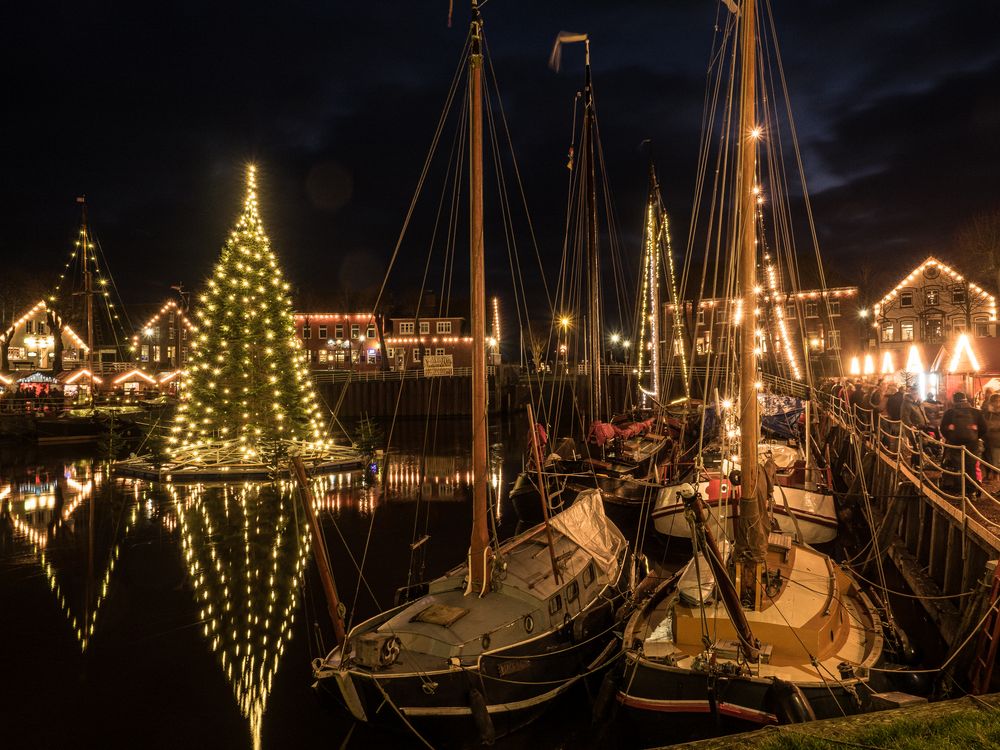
x=749 y=133
x=88 y=291
x=334 y=607
x=479 y=544
x=593 y=327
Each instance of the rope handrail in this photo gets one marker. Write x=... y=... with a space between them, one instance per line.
x=897 y=441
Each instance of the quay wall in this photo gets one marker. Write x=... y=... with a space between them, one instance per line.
x=452 y=395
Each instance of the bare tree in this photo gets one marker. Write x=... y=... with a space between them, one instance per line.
x=977 y=245
x=536 y=338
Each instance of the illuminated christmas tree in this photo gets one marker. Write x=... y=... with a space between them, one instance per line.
x=247 y=387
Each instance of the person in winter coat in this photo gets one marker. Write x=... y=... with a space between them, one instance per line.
x=913 y=419
x=991 y=416
x=858 y=400
x=933 y=410
x=962 y=426
x=894 y=404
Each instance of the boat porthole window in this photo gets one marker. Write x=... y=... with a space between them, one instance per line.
x=572 y=591
x=555 y=604
x=529 y=624
x=486 y=641
x=589 y=574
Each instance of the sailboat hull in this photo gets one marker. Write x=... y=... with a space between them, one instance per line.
x=813 y=514
x=658 y=698
x=516 y=688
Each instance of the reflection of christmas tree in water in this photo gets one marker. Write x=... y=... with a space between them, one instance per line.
x=245 y=553
x=248 y=384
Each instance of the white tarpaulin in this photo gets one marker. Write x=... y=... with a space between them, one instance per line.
x=585 y=523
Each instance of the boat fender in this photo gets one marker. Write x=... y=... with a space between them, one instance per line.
x=484 y=722
x=735 y=477
x=606 y=696
x=902 y=679
x=789 y=703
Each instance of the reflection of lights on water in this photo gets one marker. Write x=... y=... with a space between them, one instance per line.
x=245 y=573
x=34 y=509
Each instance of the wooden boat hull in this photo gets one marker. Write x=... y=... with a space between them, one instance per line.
x=811 y=513
x=516 y=689
x=659 y=697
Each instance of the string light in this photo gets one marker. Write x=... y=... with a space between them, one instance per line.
x=241 y=388
x=963 y=346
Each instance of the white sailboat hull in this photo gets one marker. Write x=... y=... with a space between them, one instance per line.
x=813 y=512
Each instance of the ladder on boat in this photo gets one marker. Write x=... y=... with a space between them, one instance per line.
x=989 y=639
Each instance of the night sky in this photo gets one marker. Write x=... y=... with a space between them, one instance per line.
x=152 y=110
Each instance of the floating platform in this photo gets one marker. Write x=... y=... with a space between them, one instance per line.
x=222 y=463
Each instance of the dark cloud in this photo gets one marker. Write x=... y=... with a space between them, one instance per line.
x=152 y=110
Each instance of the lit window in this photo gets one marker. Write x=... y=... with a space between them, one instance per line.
x=833 y=339
x=906 y=330
x=933 y=296
x=982 y=327
x=355 y=330
x=416 y=354
x=888 y=331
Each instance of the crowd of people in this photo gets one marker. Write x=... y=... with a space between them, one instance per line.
x=959 y=423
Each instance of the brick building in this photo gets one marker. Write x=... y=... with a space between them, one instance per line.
x=412 y=339
x=340 y=341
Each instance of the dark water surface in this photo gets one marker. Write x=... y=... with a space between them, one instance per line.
x=140 y=615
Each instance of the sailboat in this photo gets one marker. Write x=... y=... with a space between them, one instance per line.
x=766 y=630
x=621 y=457
x=88 y=423
x=488 y=645
x=800 y=504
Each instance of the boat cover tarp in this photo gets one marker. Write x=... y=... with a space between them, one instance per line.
x=585 y=523
x=602 y=432
x=780 y=415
